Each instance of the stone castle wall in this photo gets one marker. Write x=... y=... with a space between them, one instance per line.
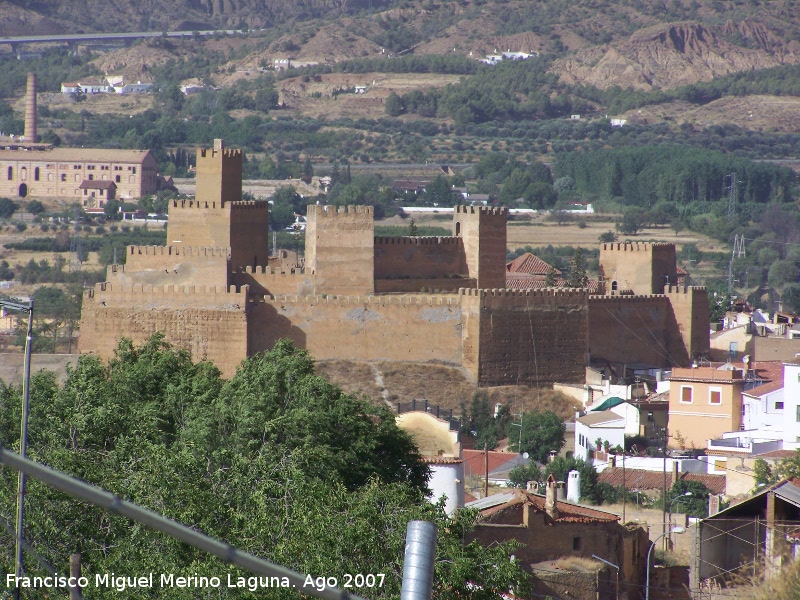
x=413 y=328
x=419 y=257
x=532 y=337
x=635 y=329
x=484 y=235
x=171 y=265
x=339 y=249
x=208 y=321
x=641 y=267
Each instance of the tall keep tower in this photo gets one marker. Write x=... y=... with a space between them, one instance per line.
x=483 y=230
x=641 y=267
x=340 y=249
x=218 y=217
x=30 y=109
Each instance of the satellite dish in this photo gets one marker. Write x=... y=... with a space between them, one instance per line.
x=525 y=455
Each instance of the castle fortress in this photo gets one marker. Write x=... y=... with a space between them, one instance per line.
x=214 y=291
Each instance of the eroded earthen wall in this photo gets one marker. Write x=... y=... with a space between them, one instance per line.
x=171 y=265
x=249 y=226
x=635 y=330
x=400 y=328
x=640 y=267
x=531 y=337
x=690 y=307
x=199 y=223
x=419 y=257
x=274 y=281
x=339 y=249
x=484 y=234
x=209 y=322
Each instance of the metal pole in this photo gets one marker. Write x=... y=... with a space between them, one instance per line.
x=624 y=489
x=99 y=497
x=23 y=447
x=647 y=568
x=664 y=491
x=418 y=561
x=610 y=564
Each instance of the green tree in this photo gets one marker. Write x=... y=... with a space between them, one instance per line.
x=35 y=207
x=412 y=228
x=439 y=192
x=577 y=277
x=111 y=210
x=632 y=221
x=540 y=433
x=551 y=278
x=782 y=273
x=7 y=208
x=520 y=475
x=394 y=105
x=608 y=237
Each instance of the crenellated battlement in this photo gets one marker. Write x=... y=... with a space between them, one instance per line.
x=482 y=210
x=261 y=270
x=418 y=241
x=178 y=251
x=245 y=205
x=634 y=246
x=165 y=291
x=377 y=300
x=197 y=204
x=500 y=299
x=684 y=290
x=328 y=210
x=626 y=298
x=208 y=153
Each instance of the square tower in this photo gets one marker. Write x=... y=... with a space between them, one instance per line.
x=483 y=231
x=340 y=249
x=641 y=267
x=218 y=217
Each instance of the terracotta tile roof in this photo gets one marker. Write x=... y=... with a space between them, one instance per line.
x=71 y=155
x=94 y=184
x=567 y=512
x=529 y=264
x=474 y=460
x=441 y=460
x=680 y=271
x=777 y=454
x=524 y=281
x=639 y=479
x=771 y=373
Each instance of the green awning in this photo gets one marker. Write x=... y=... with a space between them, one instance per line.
x=609 y=403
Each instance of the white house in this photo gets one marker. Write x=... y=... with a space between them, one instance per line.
x=605 y=425
x=133 y=88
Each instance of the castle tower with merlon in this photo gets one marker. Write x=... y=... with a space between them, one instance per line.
x=340 y=249
x=218 y=217
x=483 y=231
x=641 y=267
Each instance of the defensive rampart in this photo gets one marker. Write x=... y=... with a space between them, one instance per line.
x=419 y=257
x=532 y=337
x=635 y=329
x=414 y=328
x=171 y=265
x=208 y=321
x=273 y=281
x=642 y=267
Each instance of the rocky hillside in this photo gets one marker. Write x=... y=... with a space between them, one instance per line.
x=627 y=43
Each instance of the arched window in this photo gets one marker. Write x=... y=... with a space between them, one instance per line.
x=10 y=173
x=613 y=286
x=458 y=228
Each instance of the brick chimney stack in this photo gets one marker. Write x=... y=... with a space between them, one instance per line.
x=30 y=109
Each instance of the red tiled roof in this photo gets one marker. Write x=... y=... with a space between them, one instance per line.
x=680 y=271
x=529 y=264
x=777 y=454
x=524 y=281
x=441 y=460
x=654 y=480
x=771 y=373
x=475 y=460
x=567 y=512
x=96 y=185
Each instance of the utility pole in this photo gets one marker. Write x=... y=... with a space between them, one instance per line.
x=486 y=473
x=731 y=196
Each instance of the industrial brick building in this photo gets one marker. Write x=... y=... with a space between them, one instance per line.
x=215 y=291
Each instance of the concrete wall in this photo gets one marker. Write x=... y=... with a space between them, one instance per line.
x=339 y=249
x=209 y=322
x=636 y=329
x=419 y=257
x=532 y=337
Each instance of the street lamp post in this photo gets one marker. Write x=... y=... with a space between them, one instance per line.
x=23 y=441
x=647 y=564
x=669 y=521
x=610 y=564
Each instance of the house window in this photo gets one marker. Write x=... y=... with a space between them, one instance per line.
x=650 y=417
x=686 y=394
x=714 y=396
x=63 y=177
x=36 y=174
x=91 y=177
x=576 y=543
x=10 y=173
x=117 y=178
x=797 y=416
x=779 y=406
